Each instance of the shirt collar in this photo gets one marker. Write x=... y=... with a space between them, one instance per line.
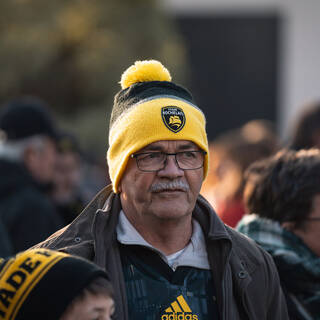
x=193 y=255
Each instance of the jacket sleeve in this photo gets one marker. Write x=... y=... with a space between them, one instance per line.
x=35 y=220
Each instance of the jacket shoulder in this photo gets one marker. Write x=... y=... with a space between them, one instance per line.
x=264 y=285
x=247 y=249
x=76 y=238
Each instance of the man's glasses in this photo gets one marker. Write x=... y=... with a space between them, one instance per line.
x=156 y=161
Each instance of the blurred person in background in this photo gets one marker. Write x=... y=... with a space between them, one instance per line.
x=231 y=153
x=95 y=176
x=48 y=285
x=27 y=160
x=282 y=195
x=66 y=192
x=306 y=131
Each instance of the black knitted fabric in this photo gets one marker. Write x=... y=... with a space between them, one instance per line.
x=126 y=98
x=26 y=116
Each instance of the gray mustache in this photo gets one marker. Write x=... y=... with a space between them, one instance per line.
x=170 y=186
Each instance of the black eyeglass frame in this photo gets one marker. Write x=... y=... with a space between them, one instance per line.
x=135 y=155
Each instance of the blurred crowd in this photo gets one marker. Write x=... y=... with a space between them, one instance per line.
x=267 y=190
x=46 y=179
x=271 y=193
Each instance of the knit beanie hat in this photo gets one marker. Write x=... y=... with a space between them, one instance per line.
x=40 y=283
x=27 y=116
x=150 y=108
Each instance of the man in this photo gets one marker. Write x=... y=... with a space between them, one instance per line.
x=66 y=194
x=167 y=253
x=289 y=229
x=27 y=159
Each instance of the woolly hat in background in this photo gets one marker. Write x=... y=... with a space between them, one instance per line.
x=25 y=117
x=40 y=284
x=150 y=108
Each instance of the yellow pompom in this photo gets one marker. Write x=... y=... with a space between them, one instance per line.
x=144 y=71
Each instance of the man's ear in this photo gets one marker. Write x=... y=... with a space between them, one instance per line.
x=288 y=225
x=28 y=156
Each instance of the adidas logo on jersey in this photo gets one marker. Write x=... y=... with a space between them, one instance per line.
x=179 y=310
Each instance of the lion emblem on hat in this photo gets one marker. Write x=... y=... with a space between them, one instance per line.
x=175 y=121
x=173 y=118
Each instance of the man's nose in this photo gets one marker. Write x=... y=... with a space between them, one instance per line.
x=171 y=168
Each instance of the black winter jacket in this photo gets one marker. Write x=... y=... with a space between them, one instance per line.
x=245 y=278
x=25 y=212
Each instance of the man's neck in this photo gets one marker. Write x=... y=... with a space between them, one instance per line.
x=168 y=236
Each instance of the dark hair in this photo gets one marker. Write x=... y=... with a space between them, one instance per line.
x=307 y=127
x=98 y=286
x=68 y=142
x=283 y=187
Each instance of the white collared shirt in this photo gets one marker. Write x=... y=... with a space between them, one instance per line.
x=193 y=255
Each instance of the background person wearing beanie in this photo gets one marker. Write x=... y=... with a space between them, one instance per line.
x=27 y=159
x=44 y=284
x=167 y=253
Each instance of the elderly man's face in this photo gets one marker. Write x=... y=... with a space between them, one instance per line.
x=169 y=193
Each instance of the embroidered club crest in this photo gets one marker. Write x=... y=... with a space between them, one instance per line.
x=173 y=117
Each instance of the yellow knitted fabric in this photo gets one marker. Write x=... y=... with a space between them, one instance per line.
x=21 y=274
x=144 y=71
x=144 y=123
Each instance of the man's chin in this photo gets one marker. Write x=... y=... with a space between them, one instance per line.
x=171 y=212
x=174 y=216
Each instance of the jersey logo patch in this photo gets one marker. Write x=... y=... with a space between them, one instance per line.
x=179 y=310
x=173 y=117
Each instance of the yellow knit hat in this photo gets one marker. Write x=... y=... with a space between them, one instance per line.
x=40 y=283
x=151 y=108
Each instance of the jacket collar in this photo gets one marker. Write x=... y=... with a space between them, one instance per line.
x=96 y=217
x=106 y=202
x=193 y=255
x=214 y=228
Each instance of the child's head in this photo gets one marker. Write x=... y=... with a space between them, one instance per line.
x=94 y=302
x=45 y=284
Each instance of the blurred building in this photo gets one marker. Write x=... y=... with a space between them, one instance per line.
x=251 y=58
